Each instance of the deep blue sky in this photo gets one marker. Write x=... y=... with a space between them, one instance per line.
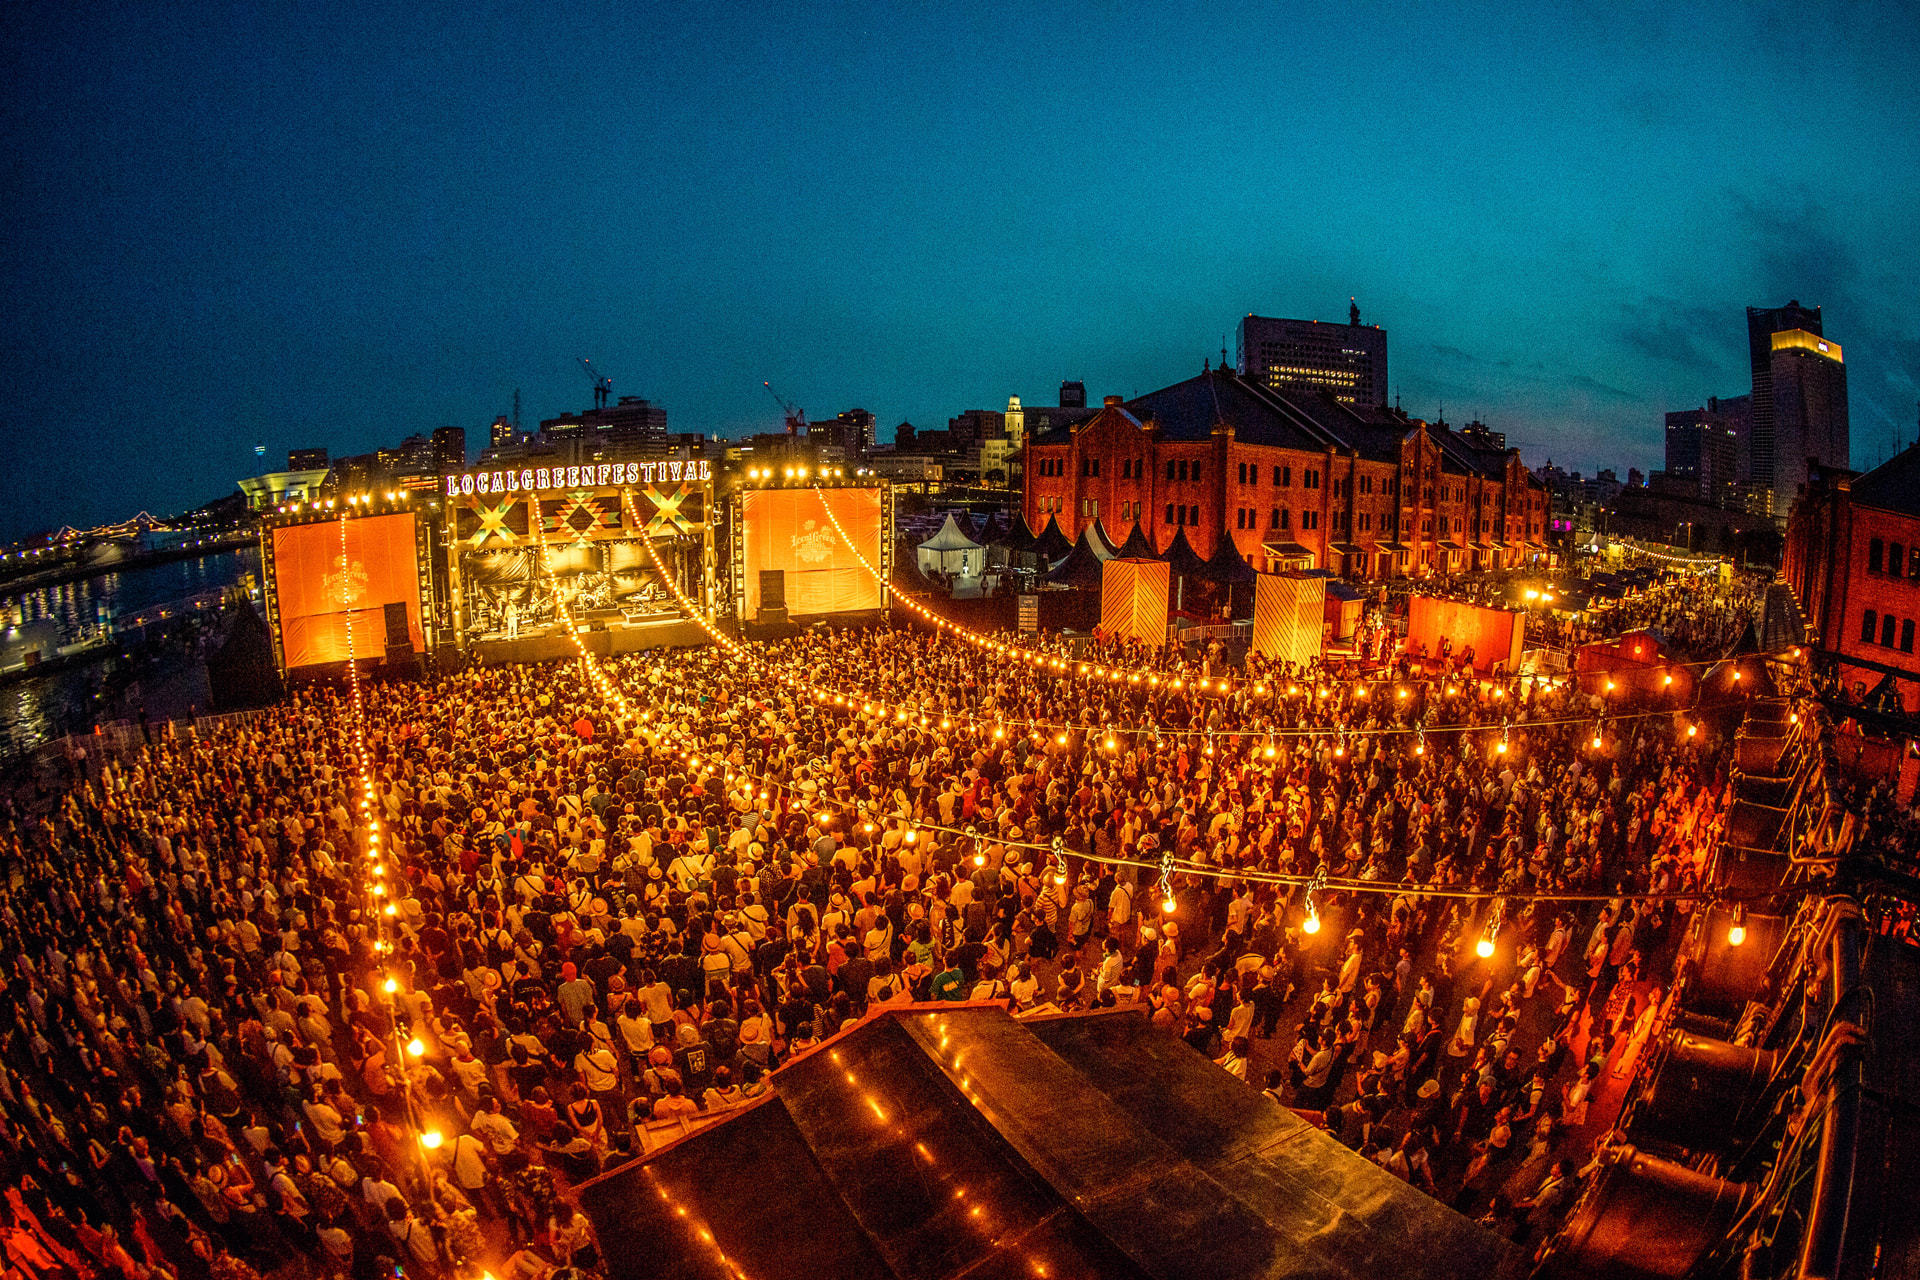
x=335 y=224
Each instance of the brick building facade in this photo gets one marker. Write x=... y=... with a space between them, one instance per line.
x=1297 y=483
x=1853 y=561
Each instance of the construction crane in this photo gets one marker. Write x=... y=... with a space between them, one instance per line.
x=796 y=416
x=602 y=386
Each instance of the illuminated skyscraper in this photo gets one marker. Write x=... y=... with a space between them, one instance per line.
x=1762 y=324
x=1807 y=382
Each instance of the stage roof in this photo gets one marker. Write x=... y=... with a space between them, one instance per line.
x=944 y=1141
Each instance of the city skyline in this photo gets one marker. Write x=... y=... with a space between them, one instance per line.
x=340 y=227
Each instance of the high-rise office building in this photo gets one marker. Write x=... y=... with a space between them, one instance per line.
x=1807 y=380
x=449 y=448
x=1306 y=357
x=501 y=432
x=1704 y=445
x=850 y=430
x=1762 y=324
x=631 y=422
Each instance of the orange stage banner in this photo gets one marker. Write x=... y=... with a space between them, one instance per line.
x=318 y=587
x=788 y=530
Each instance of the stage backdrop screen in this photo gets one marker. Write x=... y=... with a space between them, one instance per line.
x=788 y=529
x=1495 y=635
x=317 y=587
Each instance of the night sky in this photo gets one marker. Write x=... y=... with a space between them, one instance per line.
x=325 y=224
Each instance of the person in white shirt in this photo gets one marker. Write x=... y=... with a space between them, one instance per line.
x=495 y=1129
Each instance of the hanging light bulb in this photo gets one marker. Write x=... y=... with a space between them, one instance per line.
x=1312 y=922
x=416 y=1046
x=1737 y=931
x=390 y=986
x=1484 y=947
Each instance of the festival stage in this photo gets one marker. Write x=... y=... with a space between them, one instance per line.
x=665 y=632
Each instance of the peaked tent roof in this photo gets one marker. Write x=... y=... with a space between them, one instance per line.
x=1100 y=1146
x=950 y=538
x=1082 y=567
x=1227 y=564
x=1018 y=538
x=1182 y=557
x=1052 y=543
x=1137 y=546
x=1100 y=540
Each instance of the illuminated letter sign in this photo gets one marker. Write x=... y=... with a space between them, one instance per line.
x=599 y=475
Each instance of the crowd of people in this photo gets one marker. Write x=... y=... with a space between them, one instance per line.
x=607 y=929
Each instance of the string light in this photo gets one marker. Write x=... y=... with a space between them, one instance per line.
x=1737 y=931
x=1167 y=903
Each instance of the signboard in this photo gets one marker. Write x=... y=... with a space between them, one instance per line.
x=1029 y=614
x=591 y=476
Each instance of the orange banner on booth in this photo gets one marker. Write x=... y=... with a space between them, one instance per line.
x=787 y=530
x=1133 y=600
x=318 y=587
x=1289 y=617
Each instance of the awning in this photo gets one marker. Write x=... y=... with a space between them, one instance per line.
x=1395 y=546
x=1451 y=545
x=1285 y=550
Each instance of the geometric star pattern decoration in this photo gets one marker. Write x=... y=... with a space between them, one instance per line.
x=666 y=510
x=493 y=522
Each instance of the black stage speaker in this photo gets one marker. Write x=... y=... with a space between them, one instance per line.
x=773 y=588
x=397 y=626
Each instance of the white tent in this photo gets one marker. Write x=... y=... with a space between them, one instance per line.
x=953 y=552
